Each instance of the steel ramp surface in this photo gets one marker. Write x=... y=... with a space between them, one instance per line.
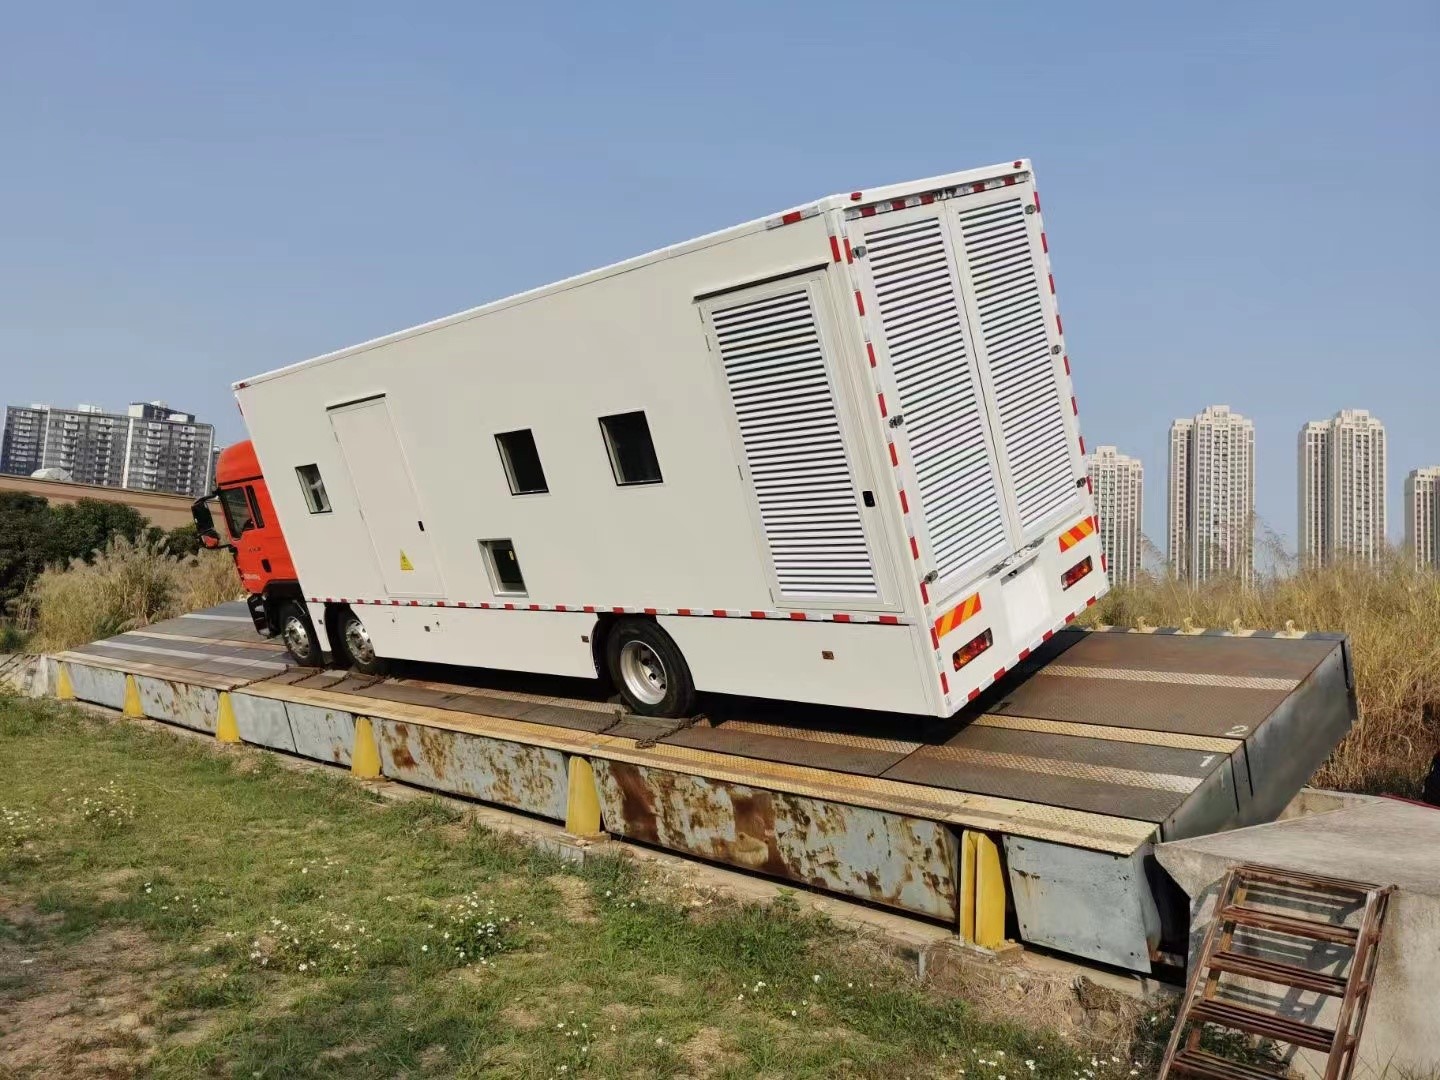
x=1184 y=733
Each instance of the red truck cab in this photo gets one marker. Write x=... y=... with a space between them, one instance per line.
x=253 y=536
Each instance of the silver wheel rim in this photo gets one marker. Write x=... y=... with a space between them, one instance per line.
x=297 y=637
x=642 y=672
x=357 y=640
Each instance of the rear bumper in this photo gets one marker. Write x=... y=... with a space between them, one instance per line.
x=1021 y=606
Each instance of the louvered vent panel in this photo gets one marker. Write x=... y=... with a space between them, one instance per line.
x=791 y=434
x=924 y=333
x=1012 y=328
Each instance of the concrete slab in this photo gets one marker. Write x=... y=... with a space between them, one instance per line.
x=1381 y=841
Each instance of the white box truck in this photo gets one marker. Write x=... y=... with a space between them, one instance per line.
x=830 y=456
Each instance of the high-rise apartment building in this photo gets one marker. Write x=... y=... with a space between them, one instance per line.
x=22 y=447
x=1177 y=506
x=1342 y=488
x=1117 y=481
x=1422 y=516
x=149 y=447
x=1312 y=491
x=1212 y=495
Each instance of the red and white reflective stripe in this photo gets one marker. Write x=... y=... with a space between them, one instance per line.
x=956 y=191
x=708 y=613
x=792 y=216
x=1059 y=324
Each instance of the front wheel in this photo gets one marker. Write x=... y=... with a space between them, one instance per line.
x=354 y=642
x=649 y=670
x=298 y=634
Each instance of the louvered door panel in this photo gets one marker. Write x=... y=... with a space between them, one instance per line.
x=1006 y=283
x=915 y=288
x=790 y=431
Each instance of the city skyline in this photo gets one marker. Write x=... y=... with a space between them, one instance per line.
x=148 y=447
x=1342 y=493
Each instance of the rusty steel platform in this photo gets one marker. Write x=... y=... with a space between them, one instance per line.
x=1097 y=747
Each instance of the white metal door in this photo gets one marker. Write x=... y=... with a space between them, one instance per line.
x=781 y=384
x=1002 y=268
x=916 y=294
x=388 y=501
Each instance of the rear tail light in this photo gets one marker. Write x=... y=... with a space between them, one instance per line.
x=972 y=649
x=1076 y=572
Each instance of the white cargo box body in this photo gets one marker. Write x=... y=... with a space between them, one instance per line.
x=866 y=440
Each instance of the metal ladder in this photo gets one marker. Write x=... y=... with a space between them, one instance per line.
x=1203 y=1005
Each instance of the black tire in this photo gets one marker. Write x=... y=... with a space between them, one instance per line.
x=649 y=670
x=353 y=647
x=297 y=633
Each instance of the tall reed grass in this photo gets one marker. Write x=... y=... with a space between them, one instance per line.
x=127 y=586
x=1391 y=612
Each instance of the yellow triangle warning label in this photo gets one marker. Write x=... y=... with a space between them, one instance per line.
x=405 y=563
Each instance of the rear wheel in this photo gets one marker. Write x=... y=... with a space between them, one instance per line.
x=649 y=670
x=354 y=642
x=298 y=634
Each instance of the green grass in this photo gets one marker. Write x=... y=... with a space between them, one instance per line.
x=265 y=922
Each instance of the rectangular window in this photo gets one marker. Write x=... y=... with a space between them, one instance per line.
x=522 y=462
x=632 y=453
x=503 y=568
x=313 y=488
x=235 y=504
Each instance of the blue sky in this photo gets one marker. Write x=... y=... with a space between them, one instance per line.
x=1240 y=197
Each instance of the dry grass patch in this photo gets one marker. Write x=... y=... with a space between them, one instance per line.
x=125 y=587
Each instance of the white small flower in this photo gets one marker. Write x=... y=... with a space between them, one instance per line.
x=424 y=948
x=815 y=978
x=794 y=1013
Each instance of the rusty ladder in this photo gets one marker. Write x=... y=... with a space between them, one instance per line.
x=1202 y=1004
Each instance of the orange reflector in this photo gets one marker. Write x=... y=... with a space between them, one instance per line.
x=1077 y=532
x=957 y=615
x=972 y=649
x=1076 y=572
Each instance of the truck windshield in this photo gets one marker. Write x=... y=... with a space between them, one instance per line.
x=239 y=516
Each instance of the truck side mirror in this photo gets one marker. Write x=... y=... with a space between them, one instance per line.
x=205 y=525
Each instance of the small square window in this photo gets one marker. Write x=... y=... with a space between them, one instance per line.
x=522 y=462
x=632 y=453
x=503 y=568
x=313 y=488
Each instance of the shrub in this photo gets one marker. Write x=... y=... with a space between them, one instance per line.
x=125 y=586
x=1391 y=612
